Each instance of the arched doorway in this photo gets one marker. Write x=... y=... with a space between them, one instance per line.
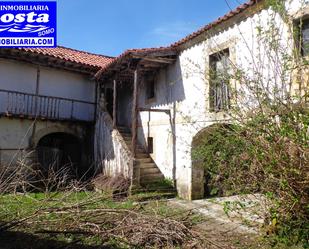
x=59 y=151
x=200 y=177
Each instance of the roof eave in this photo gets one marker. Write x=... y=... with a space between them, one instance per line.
x=154 y=58
x=234 y=16
x=48 y=61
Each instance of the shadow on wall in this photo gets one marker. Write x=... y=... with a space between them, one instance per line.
x=168 y=87
x=124 y=104
x=103 y=140
x=168 y=91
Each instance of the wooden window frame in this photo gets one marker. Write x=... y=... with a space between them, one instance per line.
x=298 y=35
x=225 y=103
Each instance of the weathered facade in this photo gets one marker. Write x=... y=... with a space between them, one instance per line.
x=47 y=111
x=147 y=107
x=174 y=103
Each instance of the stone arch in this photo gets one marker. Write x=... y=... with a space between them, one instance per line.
x=198 y=173
x=54 y=129
x=60 y=151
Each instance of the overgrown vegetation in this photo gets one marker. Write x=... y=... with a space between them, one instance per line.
x=60 y=212
x=94 y=219
x=266 y=149
x=268 y=154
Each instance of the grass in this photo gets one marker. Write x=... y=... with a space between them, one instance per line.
x=14 y=207
x=159 y=186
x=19 y=206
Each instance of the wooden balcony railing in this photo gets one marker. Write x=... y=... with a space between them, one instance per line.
x=13 y=103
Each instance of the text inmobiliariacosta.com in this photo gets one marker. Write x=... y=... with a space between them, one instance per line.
x=26 y=41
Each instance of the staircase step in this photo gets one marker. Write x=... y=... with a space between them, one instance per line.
x=150 y=173
x=147 y=181
x=139 y=150
x=139 y=147
x=147 y=171
x=152 y=177
x=142 y=151
x=147 y=165
x=142 y=155
x=144 y=160
x=128 y=142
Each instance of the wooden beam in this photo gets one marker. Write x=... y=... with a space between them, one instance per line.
x=115 y=104
x=151 y=65
x=156 y=59
x=167 y=111
x=134 y=113
x=158 y=53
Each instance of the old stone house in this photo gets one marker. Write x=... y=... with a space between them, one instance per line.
x=143 y=110
x=47 y=105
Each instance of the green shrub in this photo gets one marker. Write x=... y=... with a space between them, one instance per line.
x=267 y=153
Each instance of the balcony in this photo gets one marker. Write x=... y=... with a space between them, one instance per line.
x=25 y=105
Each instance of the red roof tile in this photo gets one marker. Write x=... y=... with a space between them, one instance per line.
x=72 y=55
x=104 y=62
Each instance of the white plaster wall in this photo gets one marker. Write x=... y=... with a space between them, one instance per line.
x=111 y=154
x=22 y=77
x=17 y=76
x=17 y=136
x=65 y=84
x=183 y=87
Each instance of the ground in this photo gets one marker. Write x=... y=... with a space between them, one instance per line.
x=38 y=218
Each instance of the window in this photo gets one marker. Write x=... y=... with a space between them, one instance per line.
x=219 y=94
x=302 y=36
x=150 y=145
x=305 y=37
x=150 y=87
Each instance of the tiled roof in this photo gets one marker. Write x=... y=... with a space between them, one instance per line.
x=135 y=51
x=72 y=55
x=104 y=62
x=238 y=10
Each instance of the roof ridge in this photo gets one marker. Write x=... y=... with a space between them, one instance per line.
x=86 y=52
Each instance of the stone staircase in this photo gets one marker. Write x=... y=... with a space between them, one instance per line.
x=149 y=172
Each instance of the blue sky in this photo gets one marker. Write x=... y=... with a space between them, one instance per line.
x=112 y=26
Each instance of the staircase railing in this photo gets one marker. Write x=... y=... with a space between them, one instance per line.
x=111 y=151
